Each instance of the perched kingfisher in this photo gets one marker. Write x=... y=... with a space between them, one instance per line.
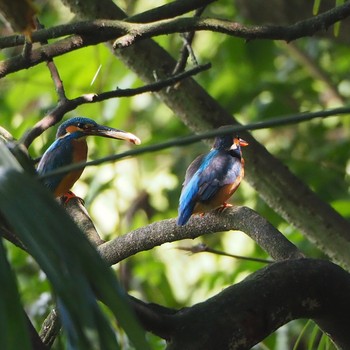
x=212 y=178
x=70 y=147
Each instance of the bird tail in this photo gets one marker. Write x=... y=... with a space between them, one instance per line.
x=185 y=212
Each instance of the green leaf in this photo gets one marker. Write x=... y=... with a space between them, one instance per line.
x=316 y=7
x=71 y=263
x=12 y=320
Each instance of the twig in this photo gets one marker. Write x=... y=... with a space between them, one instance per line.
x=186 y=49
x=183 y=141
x=203 y=248
x=55 y=75
x=67 y=105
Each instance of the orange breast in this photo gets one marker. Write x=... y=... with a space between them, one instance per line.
x=221 y=197
x=79 y=155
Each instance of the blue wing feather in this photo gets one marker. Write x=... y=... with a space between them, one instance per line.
x=189 y=191
x=221 y=169
x=57 y=155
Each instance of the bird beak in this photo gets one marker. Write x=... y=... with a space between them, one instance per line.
x=105 y=131
x=240 y=142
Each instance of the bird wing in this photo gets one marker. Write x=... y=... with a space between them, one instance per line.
x=220 y=169
x=59 y=154
x=193 y=167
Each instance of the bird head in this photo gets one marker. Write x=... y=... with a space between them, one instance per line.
x=228 y=143
x=82 y=127
x=238 y=142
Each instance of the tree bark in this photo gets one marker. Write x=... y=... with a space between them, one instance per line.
x=244 y=314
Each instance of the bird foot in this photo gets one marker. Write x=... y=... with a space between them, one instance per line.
x=68 y=196
x=223 y=207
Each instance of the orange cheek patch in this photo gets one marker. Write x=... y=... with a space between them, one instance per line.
x=71 y=129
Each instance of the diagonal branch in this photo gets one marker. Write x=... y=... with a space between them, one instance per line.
x=67 y=105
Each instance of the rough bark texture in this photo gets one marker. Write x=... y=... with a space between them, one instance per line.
x=244 y=314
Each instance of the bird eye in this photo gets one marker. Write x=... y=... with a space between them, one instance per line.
x=83 y=126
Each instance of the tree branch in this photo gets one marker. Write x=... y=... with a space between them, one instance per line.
x=238 y=218
x=308 y=27
x=171 y=10
x=203 y=248
x=244 y=314
x=94 y=32
x=186 y=49
x=66 y=105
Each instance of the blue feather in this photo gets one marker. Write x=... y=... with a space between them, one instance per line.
x=187 y=200
x=59 y=154
x=191 y=188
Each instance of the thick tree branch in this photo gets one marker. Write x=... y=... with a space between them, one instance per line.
x=244 y=314
x=238 y=218
x=308 y=27
x=171 y=10
x=131 y=32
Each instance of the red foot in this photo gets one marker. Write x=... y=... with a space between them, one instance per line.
x=68 y=196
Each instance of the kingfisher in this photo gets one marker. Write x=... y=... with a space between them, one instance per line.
x=70 y=147
x=212 y=178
